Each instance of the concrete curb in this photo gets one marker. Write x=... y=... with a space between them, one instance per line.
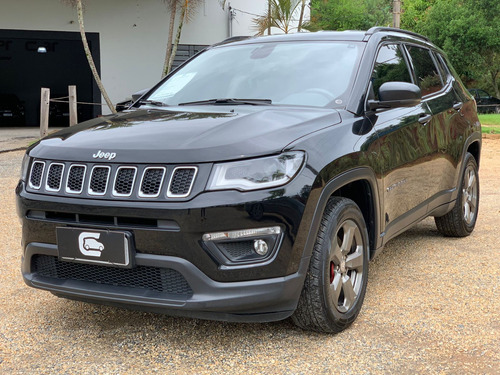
x=13 y=150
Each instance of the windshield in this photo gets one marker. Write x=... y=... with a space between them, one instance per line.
x=292 y=73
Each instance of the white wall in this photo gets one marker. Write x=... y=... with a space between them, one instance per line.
x=133 y=33
x=246 y=10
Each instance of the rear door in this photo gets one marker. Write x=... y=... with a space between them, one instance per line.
x=447 y=126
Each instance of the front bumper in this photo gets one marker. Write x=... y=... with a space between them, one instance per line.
x=246 y=301
x=254 y=292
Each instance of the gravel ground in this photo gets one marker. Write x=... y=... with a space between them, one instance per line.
x=432 y=306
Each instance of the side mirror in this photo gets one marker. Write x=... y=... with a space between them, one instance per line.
x=397 y=94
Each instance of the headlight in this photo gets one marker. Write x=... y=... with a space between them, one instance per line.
x=24 y=166
x=255 y=174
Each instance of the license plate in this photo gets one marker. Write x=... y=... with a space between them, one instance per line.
x=7 y=114
x=107 y=248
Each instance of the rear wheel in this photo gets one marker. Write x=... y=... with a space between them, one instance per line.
x=335 y=284
x=460 y=221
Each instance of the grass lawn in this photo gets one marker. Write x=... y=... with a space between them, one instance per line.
x=490 y=119
x=490 y=123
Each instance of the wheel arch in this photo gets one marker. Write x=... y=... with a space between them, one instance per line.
x=474 y=148
x=359 y=185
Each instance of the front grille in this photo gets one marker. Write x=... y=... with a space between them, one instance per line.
x=36 y=174
x=99 y=180
x=54 y=177
x=124 y=181
x=76 y=176
x=151 y=182
x=154 y=279
x=112 y=181
x=182 y=179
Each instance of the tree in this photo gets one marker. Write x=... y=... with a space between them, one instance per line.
x=280 y=15
x=349 y=14
x=79 y=8
x=172 y=6
x=415 y=12
x=187 y=10
x=301 y=18
x=468 y=31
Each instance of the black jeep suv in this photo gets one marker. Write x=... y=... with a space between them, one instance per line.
x=485 y=102
x=256 y=181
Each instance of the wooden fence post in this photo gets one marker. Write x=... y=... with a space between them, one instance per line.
x=44 y=112
x=73 y=114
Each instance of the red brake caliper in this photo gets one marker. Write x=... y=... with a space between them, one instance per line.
x=332 y=272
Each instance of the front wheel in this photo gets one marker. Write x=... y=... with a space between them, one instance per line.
x=461 y=220
x=335 y=284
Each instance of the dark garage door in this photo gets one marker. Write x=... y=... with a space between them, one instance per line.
x=30 y=60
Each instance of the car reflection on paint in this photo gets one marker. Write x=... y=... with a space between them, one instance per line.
x=11 y=110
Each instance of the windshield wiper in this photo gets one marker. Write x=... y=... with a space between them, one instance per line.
x=230 y=101
x=152 y=102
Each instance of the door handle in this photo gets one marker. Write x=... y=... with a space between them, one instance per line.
x=424 y=119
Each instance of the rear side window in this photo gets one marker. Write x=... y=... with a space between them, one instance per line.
x=390 y=66
x=425 y=70
x=443 y=69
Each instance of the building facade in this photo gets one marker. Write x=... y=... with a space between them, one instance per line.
x=40 y=46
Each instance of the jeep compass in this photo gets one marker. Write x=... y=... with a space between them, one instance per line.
x=256 y=181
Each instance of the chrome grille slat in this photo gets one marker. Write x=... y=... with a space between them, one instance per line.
x=99 y=180
x=181 y=182
x=76 y=178
x=107 y=181
x=36 y=174
x=152 y=180
x=54 y=177
x=124 y=181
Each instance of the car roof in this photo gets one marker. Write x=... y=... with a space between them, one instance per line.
x=347 y=35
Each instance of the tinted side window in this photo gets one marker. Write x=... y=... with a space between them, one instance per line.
x=427 y=75
x=389 y=66
x=443 y=69
x=483 y=94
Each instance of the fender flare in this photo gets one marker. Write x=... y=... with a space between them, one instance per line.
x=357 y=174
x=475 y=137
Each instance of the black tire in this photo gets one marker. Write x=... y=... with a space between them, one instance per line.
x=335 y=284
x=461 y=220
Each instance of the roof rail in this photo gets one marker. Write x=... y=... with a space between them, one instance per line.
x=231 y=40
x=378 y=29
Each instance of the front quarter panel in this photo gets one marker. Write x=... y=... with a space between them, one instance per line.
x=338 y=156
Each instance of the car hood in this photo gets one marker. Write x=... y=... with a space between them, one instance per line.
x=186 y=135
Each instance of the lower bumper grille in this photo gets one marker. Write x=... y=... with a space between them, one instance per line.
x=160 y=280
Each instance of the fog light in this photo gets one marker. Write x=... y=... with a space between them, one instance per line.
x=244 y=246
x=239 y=234
x=260 y=247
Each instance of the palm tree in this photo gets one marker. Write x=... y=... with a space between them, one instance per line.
x=187 y=10
x=301 y=18
x=280 y=15
x=90 y=59
x=172 y=6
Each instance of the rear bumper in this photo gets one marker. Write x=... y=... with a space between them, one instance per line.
x=244 y=301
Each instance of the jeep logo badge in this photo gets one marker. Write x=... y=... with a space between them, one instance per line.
x=104 y=155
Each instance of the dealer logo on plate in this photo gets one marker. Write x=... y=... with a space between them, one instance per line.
x=89 y=245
